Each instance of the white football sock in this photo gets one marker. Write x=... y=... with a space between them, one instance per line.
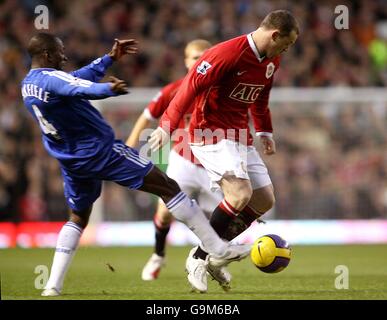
x=66 y=246
x=188 y=212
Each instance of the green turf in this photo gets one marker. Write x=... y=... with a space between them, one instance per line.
x=310 y=275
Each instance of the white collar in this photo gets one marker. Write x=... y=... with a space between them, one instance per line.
x=253 y=47
x=41 y=68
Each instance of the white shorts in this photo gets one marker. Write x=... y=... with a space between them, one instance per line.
x=194 y=181
x=230 y=158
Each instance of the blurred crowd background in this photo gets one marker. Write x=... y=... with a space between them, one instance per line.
x=330 y=166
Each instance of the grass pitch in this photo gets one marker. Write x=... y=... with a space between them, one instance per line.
x=310 y=275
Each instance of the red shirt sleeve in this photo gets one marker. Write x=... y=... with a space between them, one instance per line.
x=161 y=100
x=260 y=111
x=208 y=71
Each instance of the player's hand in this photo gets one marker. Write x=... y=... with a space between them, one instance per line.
x=122 y=47
x=158 y=138
x=118 y=86
x=268 y=145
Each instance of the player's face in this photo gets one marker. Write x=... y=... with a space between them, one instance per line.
x=192 y=55
x=280 y=44
x=58 y=57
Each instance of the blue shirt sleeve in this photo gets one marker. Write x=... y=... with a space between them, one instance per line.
x=64 y=84
x=95 y=71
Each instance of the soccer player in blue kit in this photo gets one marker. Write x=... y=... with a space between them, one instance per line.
x=75 y=133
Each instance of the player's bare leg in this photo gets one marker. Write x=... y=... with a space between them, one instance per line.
x=230 y=219
x=162 y=221
x=237 y=193
x=188 y=211
x=183 y=209
x=262 y=200
x=67 y=243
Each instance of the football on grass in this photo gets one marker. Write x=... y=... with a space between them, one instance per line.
x=270 y=253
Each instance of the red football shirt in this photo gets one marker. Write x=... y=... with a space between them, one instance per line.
x=226 y=82
x=156 y=108
x=160 y=102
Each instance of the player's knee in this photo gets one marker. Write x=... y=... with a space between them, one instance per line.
x=80 y=221
x=238 y=192
x=245 y=193
x=244 y=199
x=165 y=220
x=240 y=198
x=158 y=183
x=169 y=188
x=81 y=218
x=163 y=216
x=172 y=185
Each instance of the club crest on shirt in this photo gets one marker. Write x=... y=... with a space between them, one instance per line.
x=246 y=92
x=270 y=70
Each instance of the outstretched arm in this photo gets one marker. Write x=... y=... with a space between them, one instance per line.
x=96 y=70
x=208 y=71
x=64 y=84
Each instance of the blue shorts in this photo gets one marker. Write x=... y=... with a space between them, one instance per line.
x=124 y=166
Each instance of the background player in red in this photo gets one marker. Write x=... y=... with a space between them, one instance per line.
x=192 y=178
x=229 y=80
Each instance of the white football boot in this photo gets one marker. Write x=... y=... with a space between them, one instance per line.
x=197 y=272
x=221 y=275
x=217 y=265
x=234 y=252
x=52 y=292
x=152 y=268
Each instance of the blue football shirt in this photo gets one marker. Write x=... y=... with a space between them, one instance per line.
x=73 y=131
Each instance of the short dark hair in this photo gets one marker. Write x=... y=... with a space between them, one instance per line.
x=282 y=20
x=42 y=42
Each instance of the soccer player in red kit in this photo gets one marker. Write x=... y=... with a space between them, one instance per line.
x=229 y=80
x=188 y=173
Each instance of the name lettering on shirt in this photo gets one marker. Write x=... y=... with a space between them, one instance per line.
x=246 y=93
x=31 y=90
